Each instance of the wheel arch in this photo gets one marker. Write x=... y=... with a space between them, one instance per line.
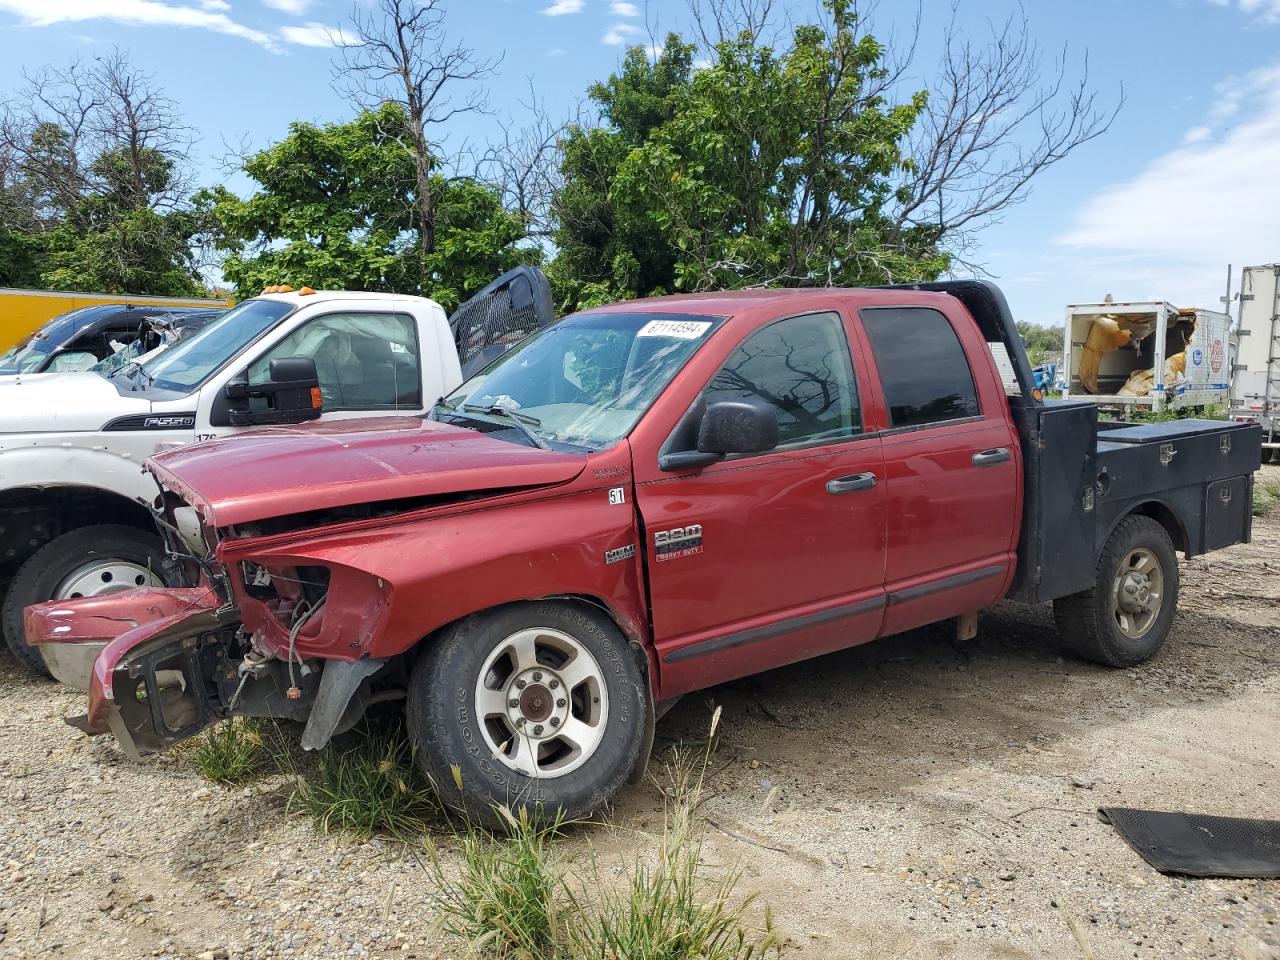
x=31 y=516
x=1161 y=513
x=637 y=638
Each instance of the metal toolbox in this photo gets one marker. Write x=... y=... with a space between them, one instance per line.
x=1152 y=457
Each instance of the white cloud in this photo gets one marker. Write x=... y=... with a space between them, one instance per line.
x=1190 y=212
x=294 y=7
x=619 y=33
x=220 y=6
x=556 y=52
x=620 y=8
x=1267 y=11
x=316 y=35
x=47 y=13
x=561 y=7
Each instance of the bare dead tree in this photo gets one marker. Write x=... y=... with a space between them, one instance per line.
x=94 y=128
x=715 y=21
x=994 y=122
x=137 y=120
x=400 y=54
x=523 y=163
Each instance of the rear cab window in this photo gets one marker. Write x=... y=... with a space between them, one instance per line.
x=924 y=371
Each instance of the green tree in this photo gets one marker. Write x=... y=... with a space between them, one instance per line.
x=763 y=168
x=336 y=207
x=1042 y=343
x=93 y=184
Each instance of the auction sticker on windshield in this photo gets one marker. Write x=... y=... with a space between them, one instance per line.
x=680 y=329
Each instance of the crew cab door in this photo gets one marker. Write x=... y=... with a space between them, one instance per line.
x=764 y=559
x=951 y=462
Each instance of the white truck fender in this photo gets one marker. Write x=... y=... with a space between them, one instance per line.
x=92 y=467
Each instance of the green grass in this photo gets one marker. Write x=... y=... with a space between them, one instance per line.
x=366 y=786
x=509 y=899
x=514 y=897
x=233 y=752
x=1265 y=498
x=1213 y=411
x=513 y=894
x=668 y=908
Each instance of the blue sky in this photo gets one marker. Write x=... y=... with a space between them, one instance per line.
x=1187 y=180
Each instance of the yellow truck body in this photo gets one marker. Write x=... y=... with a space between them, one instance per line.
x=24 y=311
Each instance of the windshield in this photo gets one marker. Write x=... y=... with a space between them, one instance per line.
x=584 y=381
x=190 y=363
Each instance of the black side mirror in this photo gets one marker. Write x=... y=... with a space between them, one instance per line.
x=729 y=426
x=291 y=395
x=737 y=426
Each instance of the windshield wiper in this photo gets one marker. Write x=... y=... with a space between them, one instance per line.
x=517 y=418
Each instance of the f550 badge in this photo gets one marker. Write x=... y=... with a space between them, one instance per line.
x=680 y=542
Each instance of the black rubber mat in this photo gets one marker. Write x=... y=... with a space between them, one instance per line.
x=1199 y=845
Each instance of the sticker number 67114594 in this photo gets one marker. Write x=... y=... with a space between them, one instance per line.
x=680 y=329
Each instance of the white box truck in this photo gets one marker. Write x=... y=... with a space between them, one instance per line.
x=1255 y=381
x=1146 y=355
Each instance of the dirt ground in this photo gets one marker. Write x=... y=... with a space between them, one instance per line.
x=917 y=798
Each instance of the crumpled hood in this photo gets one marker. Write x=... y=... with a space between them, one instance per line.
x=288 y=470
x=62 y=402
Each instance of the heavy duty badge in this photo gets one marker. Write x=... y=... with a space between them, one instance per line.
x=680 y=542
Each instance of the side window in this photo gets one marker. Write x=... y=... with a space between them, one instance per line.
x=801 y=368
x=923 y=368
x=362 y=359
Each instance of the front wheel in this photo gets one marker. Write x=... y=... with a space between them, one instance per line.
x=1125 y=617
x=539 y=706
x=87 y=562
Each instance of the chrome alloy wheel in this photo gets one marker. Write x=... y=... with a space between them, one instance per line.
x=1137 y=592
x=542 y=703
x=100 y=577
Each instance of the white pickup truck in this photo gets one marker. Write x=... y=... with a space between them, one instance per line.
x=75 y=504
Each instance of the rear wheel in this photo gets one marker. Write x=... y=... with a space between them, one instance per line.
x=1125 y=617
x=88 y=562
x=539 y=706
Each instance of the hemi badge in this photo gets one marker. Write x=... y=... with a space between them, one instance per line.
x=622 y=553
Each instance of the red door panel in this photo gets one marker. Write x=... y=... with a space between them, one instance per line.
x=953 y=487
x=951 y=522
x=783 y=569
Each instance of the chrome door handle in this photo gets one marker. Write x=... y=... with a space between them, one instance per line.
x=987 y=457
x=859 y=481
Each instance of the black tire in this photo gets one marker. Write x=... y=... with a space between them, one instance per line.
x=444 y=727
x=38 y=578
x=1088 y=622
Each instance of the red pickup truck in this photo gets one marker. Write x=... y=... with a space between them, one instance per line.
x=640 y=501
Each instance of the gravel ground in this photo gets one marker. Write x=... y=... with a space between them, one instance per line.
x=917 y=797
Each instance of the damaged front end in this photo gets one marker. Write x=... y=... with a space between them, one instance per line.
x=161 y=665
